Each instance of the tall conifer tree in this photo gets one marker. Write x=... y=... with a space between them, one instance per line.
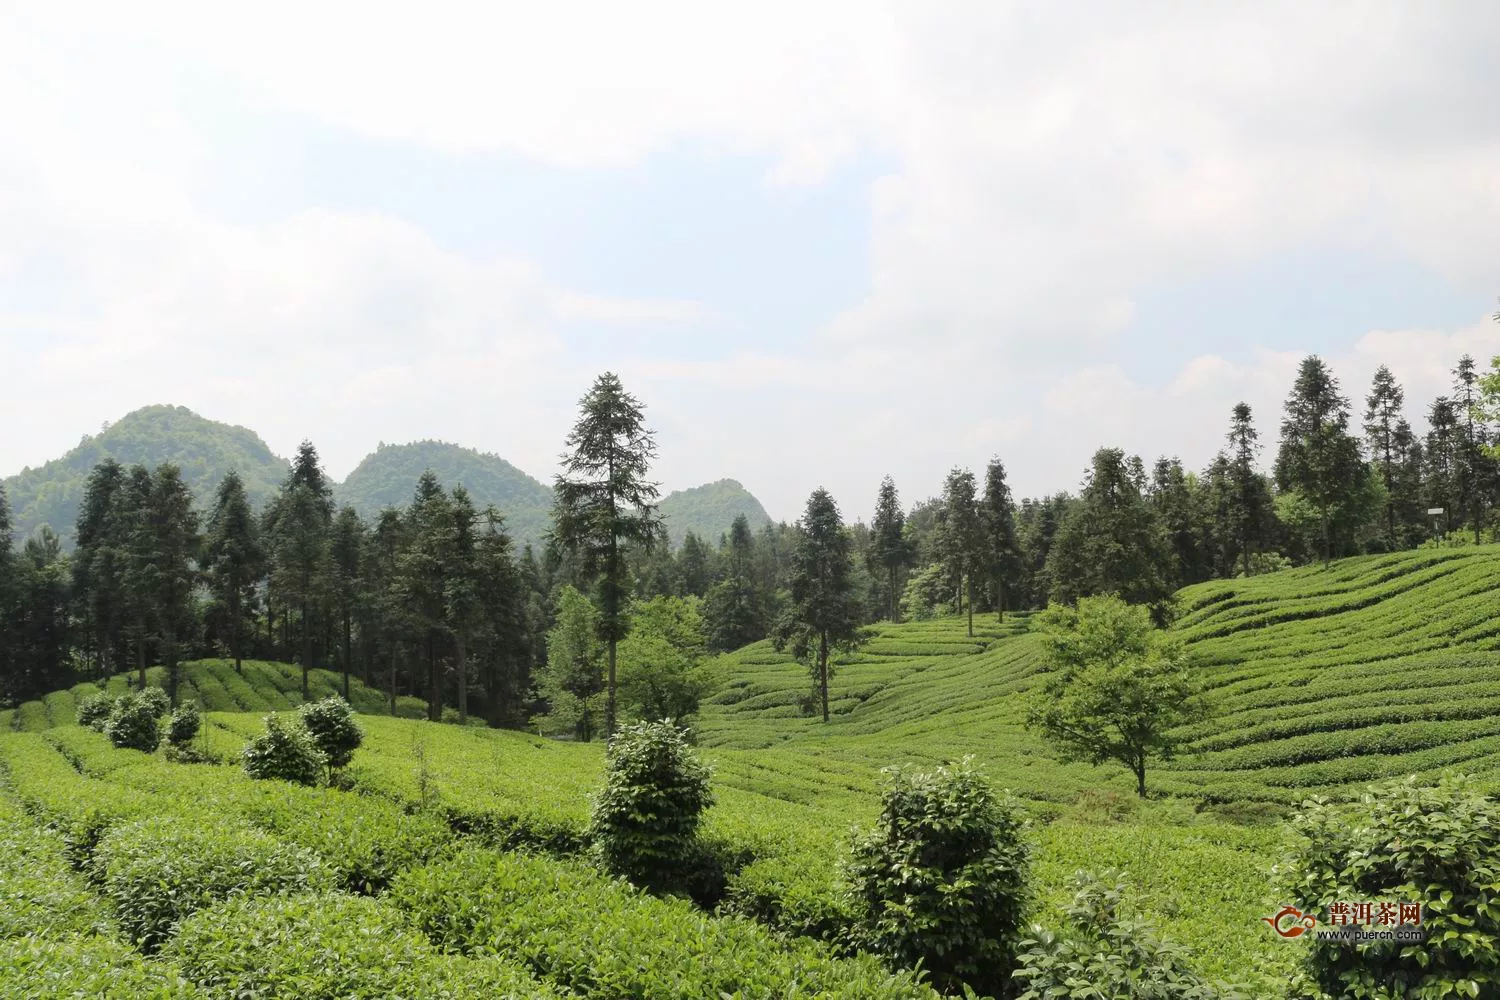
x=889 y=551
x=998 y=518
x=1382 y=415
x=1318 y=457
x=603 y=503
x=960 y=536
x=823 y=615
x=234 y=560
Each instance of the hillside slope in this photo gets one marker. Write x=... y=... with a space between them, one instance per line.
x=1322 y=680
x=204 y=449
x=387 y=476
x=710 y=509
x=215 y=687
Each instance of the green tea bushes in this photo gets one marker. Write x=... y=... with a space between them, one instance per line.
x=156 y=871
x=285 y=752
x=1403 y=842
x=331 y=947
x=96 y=967
x=601 y=938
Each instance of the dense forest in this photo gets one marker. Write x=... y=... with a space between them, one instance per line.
x=434 y=598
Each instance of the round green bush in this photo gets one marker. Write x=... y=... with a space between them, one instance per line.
x=285 y=752
x=331 y=724
x=94 y=710
x=156 y=871
x=156 y=700
x=133 y=724
x=93 y=966
x=1403 y=842
x=184 y=725
x=644 y=824
x=942 y=877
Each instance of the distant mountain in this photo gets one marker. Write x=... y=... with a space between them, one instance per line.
x=708 y=510
x=388 y=476
x=204 y=450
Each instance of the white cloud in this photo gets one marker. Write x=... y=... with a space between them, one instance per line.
x=1048 y=162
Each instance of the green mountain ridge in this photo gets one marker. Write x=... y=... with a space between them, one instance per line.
x=206 y=449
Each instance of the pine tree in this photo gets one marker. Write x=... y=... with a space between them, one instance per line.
x=603 y=503
x=1470 y=467
x=1173 y=500
x=164 y=571
x=997 y=514
x=136 y=552
x=692 y=567
x=461 y=587
x=1110 y=541
x=960 y=539
x=234 y=560
x=502 y=603
x=1382 y=414
x=1407 y=505
x=298 y=523
x=385 y=591
x=422 y=576
x=889 y=551
x=1251 y=501
x=1318 y=457
x=1441 y=455
x=822 y=615
x=345 y=550
x=100 y=557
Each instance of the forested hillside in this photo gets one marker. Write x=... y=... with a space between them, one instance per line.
x=385 y=477
x=708 y=510
x=203 y=449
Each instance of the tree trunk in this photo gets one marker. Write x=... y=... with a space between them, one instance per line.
x=970 y=582
x=348 y=651
x=306 y=648
x=140 y=651
x=1140 y=777
x=1000 y=599
x=463 y=679
x=394 y=656
x=169 y=654
x=234 y=631
x=1327 y=539
x=823 y=671
x=895 y=605
x=609 y=702
x=434 y=695
x=1245 y=547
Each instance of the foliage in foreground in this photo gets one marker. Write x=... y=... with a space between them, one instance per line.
x=942 y=877
x=285 y=751
x=156 y=871
x=1102 y=954
x=645 y=821
x=331 y=725
x=1405 y=842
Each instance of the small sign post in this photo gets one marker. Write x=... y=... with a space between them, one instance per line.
x=1435 y=513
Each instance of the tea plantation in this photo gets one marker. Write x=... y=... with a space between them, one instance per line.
x=451 y=865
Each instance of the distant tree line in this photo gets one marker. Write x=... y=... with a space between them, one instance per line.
x=606 y=619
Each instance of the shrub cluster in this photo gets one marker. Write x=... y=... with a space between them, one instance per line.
x=331 y=947
x=156 y=871
x=285 y=752
x=1101 y=952
x=331 y=724
x=93 y=711
x=601 y=938
x=942 y=877
x=182 y=727
x=645 y=821
x=133 y=721
x=1405 y=842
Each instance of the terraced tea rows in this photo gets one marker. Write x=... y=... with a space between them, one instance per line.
x=216 y=687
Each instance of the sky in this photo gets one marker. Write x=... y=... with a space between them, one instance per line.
x=820 y=242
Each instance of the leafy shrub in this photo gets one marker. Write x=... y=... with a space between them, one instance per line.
x=183 y=726
x=132 y=723
x=331 y=947
x=94 y=711
x=1403 y=842
x=1103 y=953
x=284 y=752
x=942 y=876
x=156 y=871
x=645 y=822
x=331 y=724
x=39 y=893
x=85 y=966
x=604 y=940
x=156 y=700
